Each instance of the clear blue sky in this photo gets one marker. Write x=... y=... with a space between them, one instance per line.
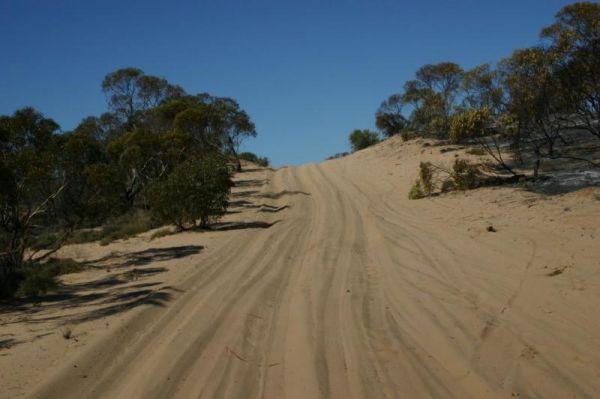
x=307 y=72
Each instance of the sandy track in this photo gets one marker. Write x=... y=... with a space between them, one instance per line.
x=356 y=292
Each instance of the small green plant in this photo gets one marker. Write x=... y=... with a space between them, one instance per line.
x=38 y=278
x=416 y=192
x=425 y=184
x=125 y=226
x=465 y=176
x=36 y=281
x=360 y=139
x=426 y=176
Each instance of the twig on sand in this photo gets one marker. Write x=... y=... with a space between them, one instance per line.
x=235 y=354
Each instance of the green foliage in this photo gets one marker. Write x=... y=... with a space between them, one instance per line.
x=30 y=184
x=360 y=139
x=116 y=227
x=408 y=134
x=432 y=96
x=426 y=177
x=194 y=190
x=416 y=192
x=528 y=105
x=465 y=176
x=482 y=88
x=462 y=176
x=103 y=180
x=469 y=124
x=124 y=226
x=389 y=118
x=338 y=155
x=251 y=157
x=37 y=278
x=130 y=93
x=425 y=184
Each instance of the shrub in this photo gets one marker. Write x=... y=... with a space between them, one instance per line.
x=425 y=184
x=251 y=157
x=469 y=124
x=36 y=278
x=36 y=281
x=360 y=139
x=193 y=190
x=338 y=155
x=407 y=134
x=416 y=192
x=426 y=176
x=465 y=176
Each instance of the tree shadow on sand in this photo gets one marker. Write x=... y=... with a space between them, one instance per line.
x=250 y=183
x=281 y=194
x=226 y=226
x=103 y=296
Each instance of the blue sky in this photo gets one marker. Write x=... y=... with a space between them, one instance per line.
x=308 y=72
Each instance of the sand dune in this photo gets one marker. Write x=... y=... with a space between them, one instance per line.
x=327 y=282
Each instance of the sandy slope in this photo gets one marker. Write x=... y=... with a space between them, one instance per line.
x=353 y=292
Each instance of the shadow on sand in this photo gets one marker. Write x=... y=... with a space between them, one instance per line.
x=108 y=295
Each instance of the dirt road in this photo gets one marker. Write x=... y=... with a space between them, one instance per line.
x=339 y=287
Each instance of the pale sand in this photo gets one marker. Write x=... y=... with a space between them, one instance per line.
x=355 y=292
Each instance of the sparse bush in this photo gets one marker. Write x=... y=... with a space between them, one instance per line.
x=416 y=192
x=425 y=184
x=408 y=134
x=462 y=176
x=338 y=155
x=426 y=176
x=251 y=157
x=36 y=281
x=36 y=278
x=360 y=139
x=125 y=226
x=469 y=124
x=465 y=176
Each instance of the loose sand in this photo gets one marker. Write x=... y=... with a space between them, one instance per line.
x=325 y=281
